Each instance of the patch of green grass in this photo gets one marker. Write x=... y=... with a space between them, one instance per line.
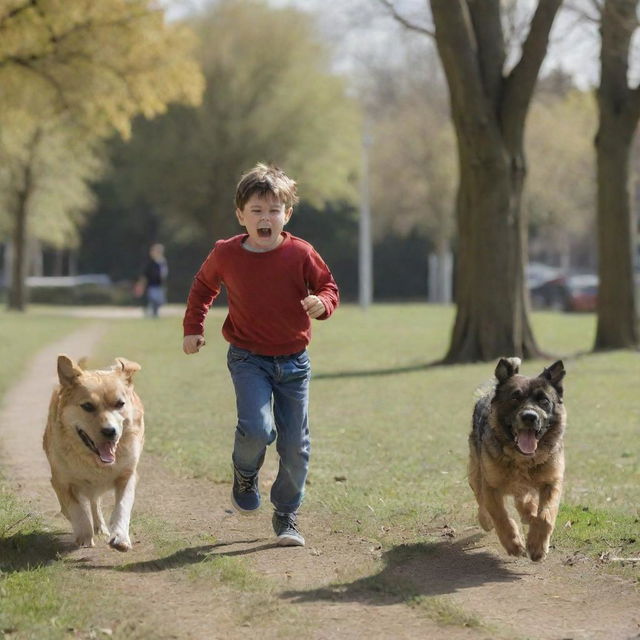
x=445 y=612
x=228 y=571
x=389 y=432
x=22 y=335
x=596 y=531
x=389 y=442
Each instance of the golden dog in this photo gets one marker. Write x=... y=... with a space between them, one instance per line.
x=516 y=448
x=93 y=441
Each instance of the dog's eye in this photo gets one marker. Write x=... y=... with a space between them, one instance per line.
x=516 y=395
x=544 y=402
x=119 y=404
x=88 y=407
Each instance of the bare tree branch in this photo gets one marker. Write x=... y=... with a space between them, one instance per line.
x=405 y=22
x=491 y=50
x=520 y=84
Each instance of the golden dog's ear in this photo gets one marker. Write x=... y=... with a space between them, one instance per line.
x=127 y=368
x=68 y=370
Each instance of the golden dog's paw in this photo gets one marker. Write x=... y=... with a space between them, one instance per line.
x=85 y=541
x=515 y=547
x=536 y=553
x=485 y=520
x=120 y=542
x=537 y=549
x=101 y=530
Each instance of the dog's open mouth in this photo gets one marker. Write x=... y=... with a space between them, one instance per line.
x=106 y=451
x=526 y=441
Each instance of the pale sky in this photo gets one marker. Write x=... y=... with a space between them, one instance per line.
x=357 y=30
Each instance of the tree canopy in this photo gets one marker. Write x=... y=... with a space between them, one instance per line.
x=102 y=61
x=270 y=97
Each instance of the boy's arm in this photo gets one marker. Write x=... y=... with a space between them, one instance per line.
x=322 y=287
x=204 y=290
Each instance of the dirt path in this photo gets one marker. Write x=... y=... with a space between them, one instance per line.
x=336 y=587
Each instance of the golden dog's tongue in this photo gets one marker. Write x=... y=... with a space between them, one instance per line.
x=107 y=452
x=527 y=442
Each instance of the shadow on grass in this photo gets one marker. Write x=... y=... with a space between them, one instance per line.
x=434 y=364
x=26 y=551
x=414 y=570
x=378 y=372
x=194 y=555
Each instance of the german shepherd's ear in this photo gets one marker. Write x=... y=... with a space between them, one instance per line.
x=68 y=370
x=554 y=375
x=506 y=368
x=127 y=368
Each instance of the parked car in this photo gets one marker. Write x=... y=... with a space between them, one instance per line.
x=582 y=292
x=577 y=292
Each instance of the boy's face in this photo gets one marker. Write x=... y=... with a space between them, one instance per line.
x=264 y=218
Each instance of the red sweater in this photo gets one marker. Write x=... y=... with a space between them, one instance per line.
x=264 y=292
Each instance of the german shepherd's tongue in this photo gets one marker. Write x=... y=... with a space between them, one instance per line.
x=527 y=442
x=107 y=451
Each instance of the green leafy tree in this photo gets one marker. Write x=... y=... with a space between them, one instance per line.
x=270 y=97
x=560 y=196
x=95 y=64
x=104 y=61
x=43 y=187
x=413 y=170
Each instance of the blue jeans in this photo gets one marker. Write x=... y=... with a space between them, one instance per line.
x=155 y=299
x=272 y=399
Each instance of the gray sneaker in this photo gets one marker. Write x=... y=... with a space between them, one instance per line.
x=286 y=530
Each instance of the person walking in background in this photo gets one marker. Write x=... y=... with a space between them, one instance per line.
x=276 y=283
x=152 y=282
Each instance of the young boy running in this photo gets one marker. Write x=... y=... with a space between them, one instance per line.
x=276 y=283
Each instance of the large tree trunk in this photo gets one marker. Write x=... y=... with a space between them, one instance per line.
x=17 y=298
x=489 y=114
x=492 y=303
x=617 y=326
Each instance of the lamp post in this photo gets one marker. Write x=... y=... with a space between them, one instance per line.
x=365 y=249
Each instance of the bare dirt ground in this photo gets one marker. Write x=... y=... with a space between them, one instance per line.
x=329 y=589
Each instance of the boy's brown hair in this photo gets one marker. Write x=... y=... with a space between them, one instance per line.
x=264 y=180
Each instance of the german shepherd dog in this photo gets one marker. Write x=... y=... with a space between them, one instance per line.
x=516 y=449
x=93 y=441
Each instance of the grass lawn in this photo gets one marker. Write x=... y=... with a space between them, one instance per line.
x=389 y=436
x=389 y=432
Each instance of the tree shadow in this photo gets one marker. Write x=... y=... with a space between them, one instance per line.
x=433 y=364
x=422 y=569
x=194 y=555
x=378 y=372
x=27 y=551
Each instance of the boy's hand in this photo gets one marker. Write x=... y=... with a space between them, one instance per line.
x=313 y=306
x=192 y=344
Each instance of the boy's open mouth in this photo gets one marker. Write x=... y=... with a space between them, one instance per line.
x=264 y=232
